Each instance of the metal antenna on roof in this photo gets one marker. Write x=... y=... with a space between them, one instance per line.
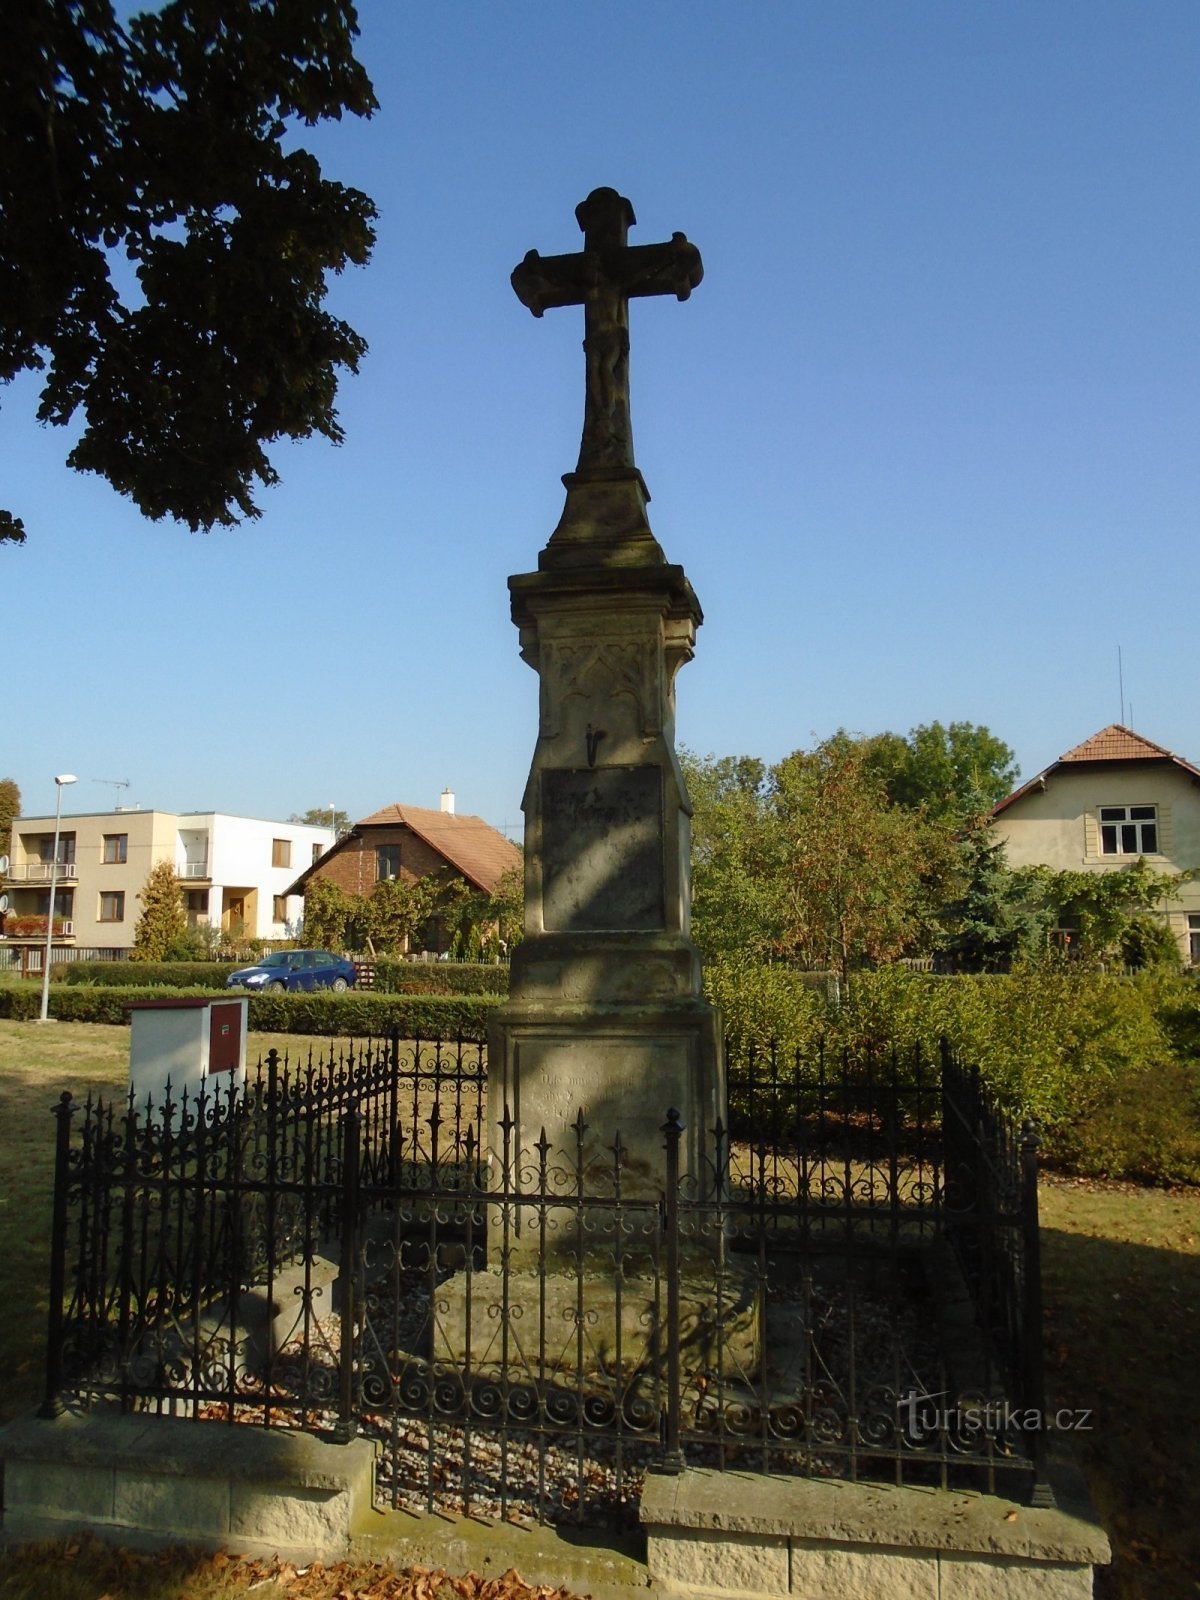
x=1121 y=682
x=118 y=784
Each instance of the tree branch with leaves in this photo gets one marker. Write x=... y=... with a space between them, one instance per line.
x=165 y=246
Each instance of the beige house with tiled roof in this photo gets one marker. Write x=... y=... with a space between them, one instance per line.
x=410 y=842
x=1111 y=799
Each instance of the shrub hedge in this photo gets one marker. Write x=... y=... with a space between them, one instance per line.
x=440 y=977
x=391 y=977
x=153 y=974
x=1109 y=1065
x=360 y=1014
x=343 y=1015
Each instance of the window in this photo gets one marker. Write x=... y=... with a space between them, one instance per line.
x=116 y=847
x=1194 y=939
x=64 y=903
x=66 y=849
x=112 y=906
x=197 y=902
x=279 y=905
x=387 y=861
x=1128 y=830
x=318 y=852
x=281 y=852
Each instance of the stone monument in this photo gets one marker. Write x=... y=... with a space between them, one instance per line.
x=605 y=1018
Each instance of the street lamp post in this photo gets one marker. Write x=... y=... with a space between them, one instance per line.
x=60 y=783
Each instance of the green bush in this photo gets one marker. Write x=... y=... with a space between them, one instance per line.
x=440 y=977
x=1052 y=1041
x=344 y=1015
x=1146 y=1127
x=763 y=1005
x=20 y=1001
x=891 y=1009
x=78 y=1004
x=1109 y=1065
x=169 y=974
x=361 y=1014
x=1181 y=1018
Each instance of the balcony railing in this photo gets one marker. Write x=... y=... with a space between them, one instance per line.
x=193 y=869
x=34 y=927
x=40 y=871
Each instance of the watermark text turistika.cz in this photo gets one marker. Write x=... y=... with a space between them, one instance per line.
x=922 y=1416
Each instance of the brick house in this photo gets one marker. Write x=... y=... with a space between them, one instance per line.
x=1111 y=799
x=411 y=842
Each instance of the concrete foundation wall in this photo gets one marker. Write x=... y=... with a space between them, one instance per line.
x=722 y=1535
x=153 y=1480
x=146 y=1481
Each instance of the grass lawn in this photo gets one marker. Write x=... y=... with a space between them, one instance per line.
x=36 y=1064
x=1121 y=1270
x=1122 y=1289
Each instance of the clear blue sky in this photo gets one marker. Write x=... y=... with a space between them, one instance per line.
x=925 y=439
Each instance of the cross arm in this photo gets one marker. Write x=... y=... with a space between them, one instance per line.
x=634 y=271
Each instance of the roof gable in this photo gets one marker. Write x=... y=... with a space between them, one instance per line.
x=1116 y=743
x=471 y=846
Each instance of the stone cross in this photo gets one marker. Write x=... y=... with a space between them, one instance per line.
x=603 y=277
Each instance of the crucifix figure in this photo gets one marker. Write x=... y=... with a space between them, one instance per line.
x=603 y=277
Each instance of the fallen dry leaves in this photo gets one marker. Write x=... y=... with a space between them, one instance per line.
x=109 y=1573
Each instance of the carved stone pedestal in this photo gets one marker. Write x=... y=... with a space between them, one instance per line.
x=605 y=1019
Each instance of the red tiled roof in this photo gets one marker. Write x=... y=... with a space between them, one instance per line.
x=471 y=845
x=1116 y=743
x=468 y=844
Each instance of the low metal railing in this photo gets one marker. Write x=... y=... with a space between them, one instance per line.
x=848 y=1285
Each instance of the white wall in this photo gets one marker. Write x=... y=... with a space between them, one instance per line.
x=241 y=860
x=239 y=857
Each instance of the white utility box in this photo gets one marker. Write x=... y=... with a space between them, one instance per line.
x=196 y=1043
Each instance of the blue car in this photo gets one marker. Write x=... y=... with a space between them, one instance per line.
x=295 y=969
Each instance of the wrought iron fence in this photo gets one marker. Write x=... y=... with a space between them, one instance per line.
x=847 y=1287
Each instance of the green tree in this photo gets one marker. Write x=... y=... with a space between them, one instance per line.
x=481 y=925
x=10 y=810
x=737 y=857
x=861 y=877
x=394 y=915
x=319 y=817
x=328 y=910
x=165 y=243
x=1109 y=912
x=505 y=911
x=953 y=772
x=162 y=926
x=990 y=919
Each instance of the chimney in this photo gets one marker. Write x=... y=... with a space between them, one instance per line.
x=448 y=801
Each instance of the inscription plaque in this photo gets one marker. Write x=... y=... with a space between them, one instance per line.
x=602 y=849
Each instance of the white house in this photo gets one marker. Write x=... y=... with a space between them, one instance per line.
x=1111 y=799
x=236 y=872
